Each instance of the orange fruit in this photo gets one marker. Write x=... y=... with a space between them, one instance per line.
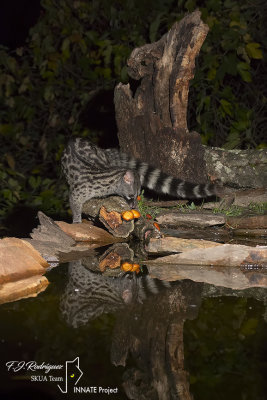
x=126 y=266
x=127 y=215
x=156 y=226
x=136 y=213
x=136 y=267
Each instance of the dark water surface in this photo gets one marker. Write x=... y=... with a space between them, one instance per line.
x=220 y=333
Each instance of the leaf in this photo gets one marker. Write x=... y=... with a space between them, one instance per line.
x=226 y=106
x=244 y=71
x=25 y=85
x=66 y=48
x=233 y=140
x=254 y=51
x=154 y=27
x=11 y=161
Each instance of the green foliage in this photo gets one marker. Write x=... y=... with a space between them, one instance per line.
x=228 y=94
x=223 y=348
x=79 y=47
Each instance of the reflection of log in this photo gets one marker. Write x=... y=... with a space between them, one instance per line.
x=21 y=270
x=19 y=260
x=229 y=277
x=154 y=338
x=155 y=116
x=23 y=288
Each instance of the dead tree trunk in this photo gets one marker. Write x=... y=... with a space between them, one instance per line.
x=152 y=122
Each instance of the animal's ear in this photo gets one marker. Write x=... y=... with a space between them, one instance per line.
x=129 y=177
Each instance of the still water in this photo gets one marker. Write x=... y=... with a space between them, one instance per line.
x=133 y=337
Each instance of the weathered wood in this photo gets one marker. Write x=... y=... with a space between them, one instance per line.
x=155 y=116
x=109 y=210
x=247 y=221
x=57 y=246
x=49 y=231
x=86 y=232
x=23 y=288
x=257 y=233
x=165 y=204
x=229 y=277
x=19 y=260
x=177 y=245
x=230 y=255
x=190 y=219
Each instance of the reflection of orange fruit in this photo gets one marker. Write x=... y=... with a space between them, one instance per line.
x=126 y=266
x=136 y=213
x=127 y=215
x=138 y=198
x=156 y=226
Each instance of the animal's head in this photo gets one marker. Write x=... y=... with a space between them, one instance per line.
x=130 y=187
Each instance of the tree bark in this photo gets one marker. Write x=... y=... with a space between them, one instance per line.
x=152 y=123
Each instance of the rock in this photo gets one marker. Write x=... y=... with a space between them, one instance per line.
x=237 y=168
x=23 y=288
x=19 y=260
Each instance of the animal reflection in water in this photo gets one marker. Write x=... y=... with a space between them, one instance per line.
x=89 y=294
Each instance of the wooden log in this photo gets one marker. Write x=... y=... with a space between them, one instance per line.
x=57 y=246
x=23 y=288
x=190 y=219
x=257 y=233
x=164 y=204
x=109 y=211
x=86 y=232
x=247 y=221
x=19 y=260
x=224 y=255
x=49 y=231
x=177 y=245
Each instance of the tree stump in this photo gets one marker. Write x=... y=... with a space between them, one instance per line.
x=152 y=122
